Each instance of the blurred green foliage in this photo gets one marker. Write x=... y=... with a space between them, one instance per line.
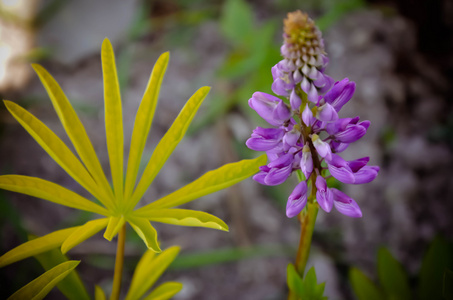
x=434 y=282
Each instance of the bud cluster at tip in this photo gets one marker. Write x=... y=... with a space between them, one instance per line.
x=307 y=132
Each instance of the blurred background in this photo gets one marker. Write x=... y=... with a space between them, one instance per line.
x=399 y=53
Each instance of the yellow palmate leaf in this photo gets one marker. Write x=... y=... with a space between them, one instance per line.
x=99 y=293
x=169 y=142
x=49 y=191
x=146 y=232
x=74 y=128
x=113 y=117
x=41 y=286
x=143 y=122
x=83 y=233
x=165 y=291
x=37 y=246
x=184 y=217
x=148 y=270
x=55 y=147
x=210 y=182
x=114 y=225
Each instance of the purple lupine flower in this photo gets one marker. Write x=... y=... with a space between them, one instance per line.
x=324 y=195
x=297 y=200
x=345 y=204
x=264 y=139
x=270 y=108
x=309 y=133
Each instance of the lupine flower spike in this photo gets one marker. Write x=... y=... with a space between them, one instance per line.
x=308 y=134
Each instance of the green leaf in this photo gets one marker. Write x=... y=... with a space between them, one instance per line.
x=114 y=225
x=437 y=259
x=49 y=191
x=83 y=233
x=236 y=21
x=293 y=280
x=143 y=121
x=56 y=149
x=184 y=217
x=99 y=293
x=37 y=246
x=146 y=232
x=148 y=270
x=210 y=182
x=363 y=287
x=447 y=290
x=41 y=286
x=165 y=291
x=74 y=128
x=168 y=143
x=113 y=117
x=306 y=288
x=71 y=286
x=392 y=277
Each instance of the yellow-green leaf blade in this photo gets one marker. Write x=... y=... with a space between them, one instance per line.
x=49 y=191
x=41 y=286
x=165 y=291
x=37 y=246
x=74 y=128
x=210 y=182
x=113 y=117
x=71 y=286
x=56 y=148
x=114 y=225
x=146 y=232
x=143 y=121
x=148 y=270
x=169 y=142
x=83 y=233
x=99 y=293
x=184 y=217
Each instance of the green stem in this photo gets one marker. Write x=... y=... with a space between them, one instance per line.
x=119 y=263
x=307 y=219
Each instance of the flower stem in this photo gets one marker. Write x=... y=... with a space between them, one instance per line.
x=119 y=263
x=307 y=219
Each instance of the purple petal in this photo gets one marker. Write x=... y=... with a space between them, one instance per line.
x=307 y=116
x=343 y=174
x=291 y=137
x=340 y=93
x=327 y=113
x=312 y=94
x=281 y=112
x=351 y=134
x=261 y=144
x=324 y=195
x=357 y=164
x=295 y=100
x=279 y=87
x=321 y=147
x=329 y=82
x=264 y=104
x=259 y=177
x=306 y=163
x=366 y=174
x=345 y=204
x=297 y=200
x=277 y=176
x=337 y=126
x=282 y=161
x=268 y=133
